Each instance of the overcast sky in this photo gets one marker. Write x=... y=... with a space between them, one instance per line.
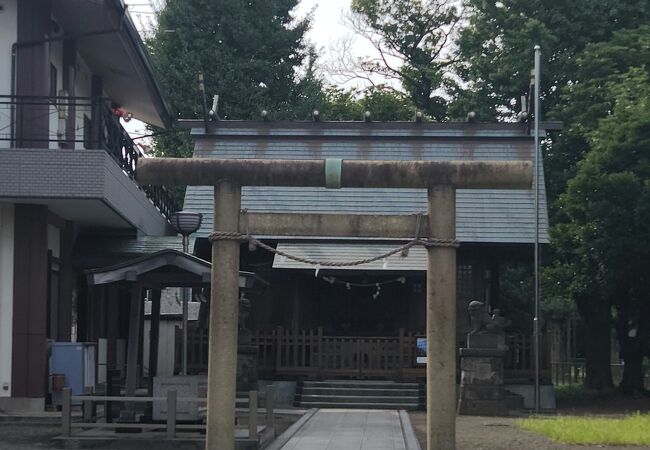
x=328 y=28
x=327 y=21
x=328 y=24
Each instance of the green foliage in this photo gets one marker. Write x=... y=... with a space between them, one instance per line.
x=309 y=94
x=590 y=98
x=411 y=37
x=595 y=237
x=496 y=46
x=249 y=53
x=384 y=105
x=569 y=394
x=608 y=232
x=629 y=430
x=603 y=247
x=516 y=287
x=557 y=303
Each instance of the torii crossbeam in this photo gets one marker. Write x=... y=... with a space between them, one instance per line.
x=440 y=178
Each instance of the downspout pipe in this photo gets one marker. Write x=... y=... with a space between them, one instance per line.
x=12 y=113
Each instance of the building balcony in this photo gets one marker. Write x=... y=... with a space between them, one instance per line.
x=75 y=147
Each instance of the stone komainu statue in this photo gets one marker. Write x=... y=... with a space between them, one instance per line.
x=481 y=322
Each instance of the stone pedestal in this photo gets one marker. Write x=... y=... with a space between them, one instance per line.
x=481 y=380
x=246 y=352
x=246 y=368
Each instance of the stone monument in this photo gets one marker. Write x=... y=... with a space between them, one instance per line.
x=481 y=364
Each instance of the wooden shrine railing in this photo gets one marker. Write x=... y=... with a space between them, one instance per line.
x=520 y=359
x=312 y=354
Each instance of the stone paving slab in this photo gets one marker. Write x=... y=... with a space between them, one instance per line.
x=350 y=429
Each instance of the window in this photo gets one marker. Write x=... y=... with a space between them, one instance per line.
x=464 y=282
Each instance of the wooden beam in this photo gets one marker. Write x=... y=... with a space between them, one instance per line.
x=333 y=225
x=163 y=280
x=487 y=174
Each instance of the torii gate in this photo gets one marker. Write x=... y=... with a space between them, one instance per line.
x=440 y=178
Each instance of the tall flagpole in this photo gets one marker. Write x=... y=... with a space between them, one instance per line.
x=537 y=182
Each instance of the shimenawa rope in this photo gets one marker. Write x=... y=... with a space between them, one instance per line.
x=253 y=243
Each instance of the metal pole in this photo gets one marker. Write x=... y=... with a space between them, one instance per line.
x=536 y=187
x=185 y=299
x=224 y=304
x=441 y=322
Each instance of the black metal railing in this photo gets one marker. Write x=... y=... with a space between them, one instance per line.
x=116 y=141
x=75 y=123
x=162 y=199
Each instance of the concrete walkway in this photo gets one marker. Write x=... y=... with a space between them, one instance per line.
x=351 y=429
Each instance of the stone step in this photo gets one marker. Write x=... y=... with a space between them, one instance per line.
x=371 y=392
x=360 y=384
x=368 y=394
x=514 y=401
x=358 y=399
x=364 y=405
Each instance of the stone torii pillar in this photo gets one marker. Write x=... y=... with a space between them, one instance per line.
x=440 y=178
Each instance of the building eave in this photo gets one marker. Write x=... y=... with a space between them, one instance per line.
x=111 y=45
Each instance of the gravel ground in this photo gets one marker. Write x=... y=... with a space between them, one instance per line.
x=498 y=433
x=26 y=436
x=34 y=436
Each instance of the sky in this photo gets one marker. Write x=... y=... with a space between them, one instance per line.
x=328 y=29
x=327 y=23
x=327 y=17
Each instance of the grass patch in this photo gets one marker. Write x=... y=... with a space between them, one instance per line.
x=573 y=392
x=630 y=430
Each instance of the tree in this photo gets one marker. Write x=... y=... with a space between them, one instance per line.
x=601 y=70
x=249 y=53
x=585 y=49
x=496 y=46
x=586 y=100
x=383 y=104
x=412 y=38
x=605 y=244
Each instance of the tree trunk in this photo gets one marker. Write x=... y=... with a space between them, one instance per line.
x=598 y=328
x=631 y=333
x=598 y=354
x=631 y=338
x=633 y=373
